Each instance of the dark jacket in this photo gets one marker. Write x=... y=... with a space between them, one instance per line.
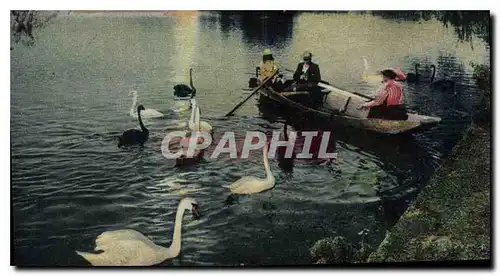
x=313 y=74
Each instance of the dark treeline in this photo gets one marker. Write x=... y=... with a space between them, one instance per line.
x=264 y=27
x=24 y=22
x=465 y=23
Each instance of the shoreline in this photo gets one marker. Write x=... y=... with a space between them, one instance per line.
x=451 y=217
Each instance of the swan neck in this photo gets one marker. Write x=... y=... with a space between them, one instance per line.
x=366 y=64
x=191 y=83
x=134 y=103
x=143 y=128
x=433 y=73
x=197 y=119
x=269 y=174
x=175 y=247
x=193 y=110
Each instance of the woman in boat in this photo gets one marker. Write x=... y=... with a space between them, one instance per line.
x=268 y=66
x=389 y=102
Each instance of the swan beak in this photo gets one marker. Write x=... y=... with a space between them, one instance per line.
x=194 y=211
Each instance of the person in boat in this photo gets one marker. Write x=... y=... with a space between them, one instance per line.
x=389 y=102
x=306 y=78
x=400 y=76
x=268 y=66
x=307 y=74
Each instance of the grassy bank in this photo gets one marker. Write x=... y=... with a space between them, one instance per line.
x=450 y=219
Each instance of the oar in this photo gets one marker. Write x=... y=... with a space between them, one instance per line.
x=287 y=94
x=326 y=85
x=255 y=91
x=331 y=88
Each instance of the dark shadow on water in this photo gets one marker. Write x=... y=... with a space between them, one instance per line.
x=265 y=28
x=231 y=199
x=394 y=208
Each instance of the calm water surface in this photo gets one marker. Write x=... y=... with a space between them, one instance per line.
x=69 y=99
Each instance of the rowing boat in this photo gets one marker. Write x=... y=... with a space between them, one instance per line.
x=342 y=107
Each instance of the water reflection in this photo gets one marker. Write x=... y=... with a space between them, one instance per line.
x=186 y=43
x=264 y=28
x=78 y=112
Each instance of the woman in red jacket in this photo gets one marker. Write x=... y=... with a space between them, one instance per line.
x=389 y=102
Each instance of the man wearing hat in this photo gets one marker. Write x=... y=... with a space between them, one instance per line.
x=307 y=72
x=306 y=78
x=389 y=102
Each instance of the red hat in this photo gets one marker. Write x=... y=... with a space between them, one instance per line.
x=400 y=76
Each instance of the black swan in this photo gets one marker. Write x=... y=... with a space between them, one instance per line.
x=134 y=136
x=411 y=77
x=444 y=84
x=254 y=82
x=182 y=90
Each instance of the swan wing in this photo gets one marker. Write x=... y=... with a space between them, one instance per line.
x=244 y=185
x=131 y=132
x=205 y=126
x=109 y=238
x=151 y=113
x=125 y=253
x=180 y=107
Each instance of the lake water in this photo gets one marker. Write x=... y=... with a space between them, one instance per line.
x=69 y=99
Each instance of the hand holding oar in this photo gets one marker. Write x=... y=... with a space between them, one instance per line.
x=255 y=91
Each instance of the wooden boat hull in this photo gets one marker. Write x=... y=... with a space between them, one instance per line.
x=341 y=107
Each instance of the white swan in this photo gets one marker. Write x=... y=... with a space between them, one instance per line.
x=370 y=78
x=130 y=248
x=182 y=105
x=147 y=113
x=196 y=128
x=251 y=184
x=204 y=126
